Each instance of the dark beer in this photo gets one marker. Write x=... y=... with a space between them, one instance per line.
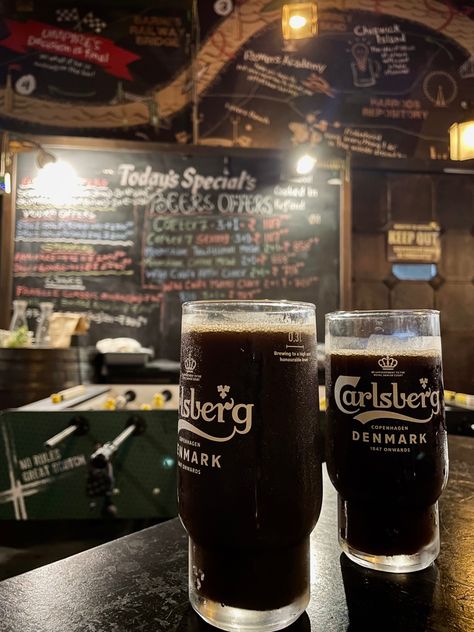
x=386 y=448
x=249 y=477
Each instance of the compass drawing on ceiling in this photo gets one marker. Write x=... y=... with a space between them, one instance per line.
x=440 y=88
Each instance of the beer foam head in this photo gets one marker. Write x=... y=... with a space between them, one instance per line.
x=377 y=344
x=251 y=322
x=250 y=316
x=378 y=332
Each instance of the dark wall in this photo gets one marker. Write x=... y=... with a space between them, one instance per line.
x=381 y=197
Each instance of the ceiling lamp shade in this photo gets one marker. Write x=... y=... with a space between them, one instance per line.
x=461 y=140
x=299 y=20
x=44 y=158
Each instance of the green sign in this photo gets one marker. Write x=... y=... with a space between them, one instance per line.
x=61 y=482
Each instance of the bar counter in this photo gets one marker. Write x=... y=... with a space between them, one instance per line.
x=139 y=583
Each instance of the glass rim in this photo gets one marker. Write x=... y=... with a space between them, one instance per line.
x=382 y=313
x=216 y=303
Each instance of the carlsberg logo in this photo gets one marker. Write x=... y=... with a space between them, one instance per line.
x=351 y=401
x=235 y=418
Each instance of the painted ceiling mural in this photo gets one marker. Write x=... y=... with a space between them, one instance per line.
x=382 y=77
x=106 y=65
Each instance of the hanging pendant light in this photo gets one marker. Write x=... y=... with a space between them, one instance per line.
x=461 y=136
x=299 y=20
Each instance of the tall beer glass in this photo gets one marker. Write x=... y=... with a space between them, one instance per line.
x=387 y=445
x=249 y=472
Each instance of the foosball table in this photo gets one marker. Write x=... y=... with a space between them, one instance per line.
x=92 y=451
x=95 y=451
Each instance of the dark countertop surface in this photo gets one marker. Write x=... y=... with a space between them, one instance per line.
x=139 y=582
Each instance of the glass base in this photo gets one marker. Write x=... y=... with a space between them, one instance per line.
x=235 y=619
x=261 y=581
x=395 y=563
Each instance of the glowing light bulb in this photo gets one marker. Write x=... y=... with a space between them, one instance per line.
x=461 y=140
x=297 y=21
x=305 y=164
x=467 y=136
x=57 y=181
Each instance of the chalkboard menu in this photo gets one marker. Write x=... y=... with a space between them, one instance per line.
x=126 y=236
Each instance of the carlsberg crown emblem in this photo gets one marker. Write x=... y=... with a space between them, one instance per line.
x=387 y=363
x=190 y=364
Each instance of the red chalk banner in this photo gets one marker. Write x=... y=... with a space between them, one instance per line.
x=82 y=46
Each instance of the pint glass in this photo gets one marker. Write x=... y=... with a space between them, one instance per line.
x=386 y=435
x=249 y=471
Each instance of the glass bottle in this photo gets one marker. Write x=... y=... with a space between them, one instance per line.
x=42 y=330
x=19 y=315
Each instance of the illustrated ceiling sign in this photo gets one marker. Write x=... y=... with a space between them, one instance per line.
x=94 y=71
x=380 y=79
x=384 y=79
